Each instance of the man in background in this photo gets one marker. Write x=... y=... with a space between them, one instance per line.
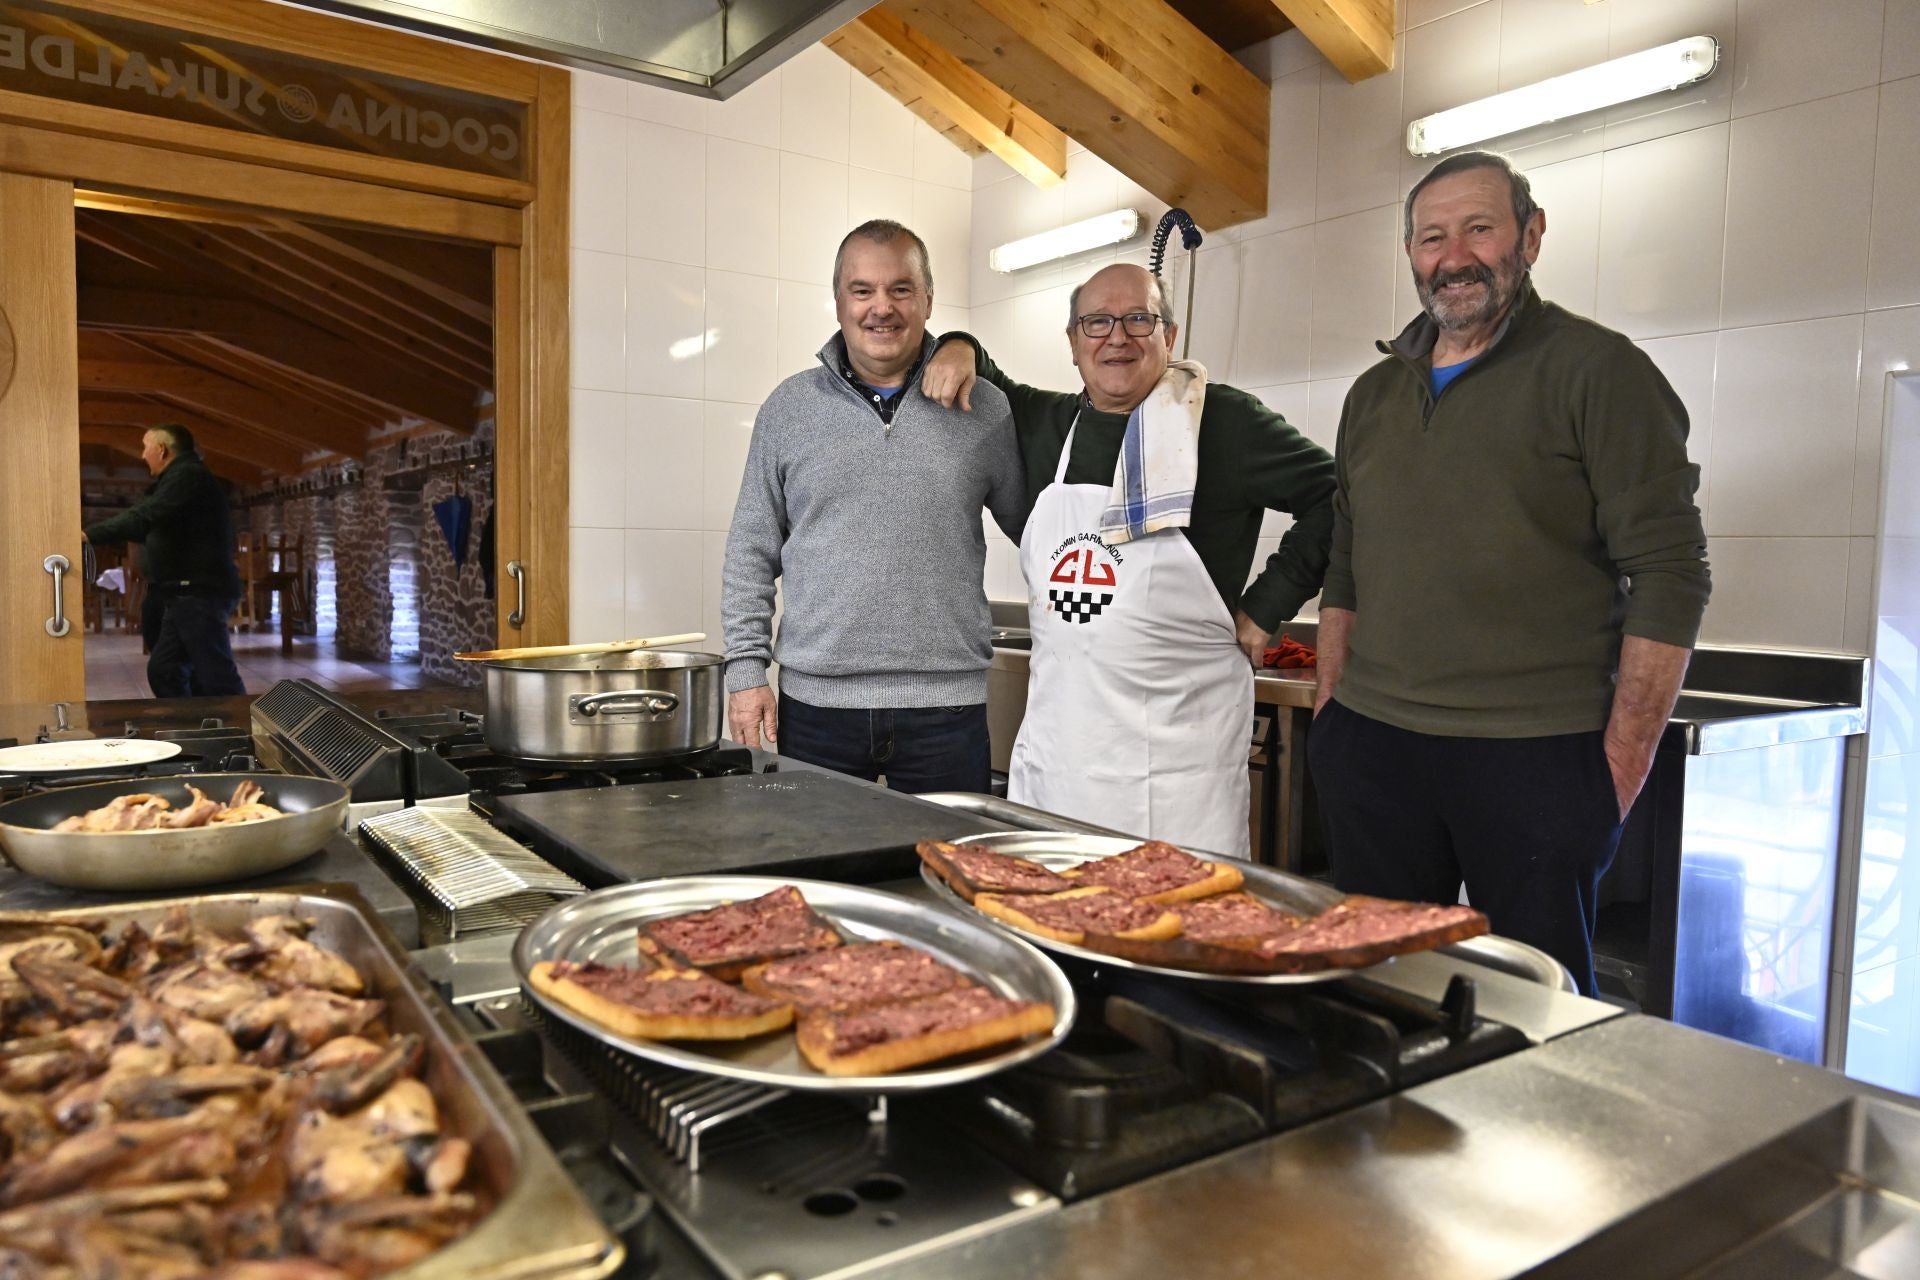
x=865 y=501
x=1518 y=575
x=192 y=584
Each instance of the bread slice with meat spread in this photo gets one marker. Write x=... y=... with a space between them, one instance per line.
x=1069 y=917
x=884 y=1038
x=659 y=1003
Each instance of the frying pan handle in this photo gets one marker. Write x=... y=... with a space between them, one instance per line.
x=653 y=701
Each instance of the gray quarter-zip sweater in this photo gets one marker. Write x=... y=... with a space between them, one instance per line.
x=874 y=529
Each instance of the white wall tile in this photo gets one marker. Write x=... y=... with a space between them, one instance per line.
x=1569 y=265
x=742 y=328
x=1451 y=62
x=743 y=206
x=1293 y=132
x=1784 y=398
x=665 y=470
x=596 y=585
x=1900 y=41
x=1687 y=363
x=1008 y=211
x=1890 y=345
x=1354 y=264
x=871 y=194
x=1216 y=308
x=1777 y=591
x=1326 y=399
x=669 y=107
x=1647 y=24
x=713 y=562
x=663 y=582
x=666 y=323
x=593 y=91
x=729 y=430
x=815 y=92
x=943 y=218
x=597 y=333
x=751 y=115
x=812 y=217
x=1292 y=401
x=1662 y=230
x=805 y=320
x=666 y=194
x=1273 y=328
x=937 y=160
x=597 y=456
x=1417 y=12
x=880 y=130
x=1857 y=625
x=1893 y=272
x=1360 y=141
x=599 y=181
x=1540 y=39
x=1792 y=52
x=1799 y=193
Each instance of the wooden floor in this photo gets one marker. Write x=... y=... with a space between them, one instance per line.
x=117 y=669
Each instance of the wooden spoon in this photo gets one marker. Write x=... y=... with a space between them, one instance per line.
x=564 y=650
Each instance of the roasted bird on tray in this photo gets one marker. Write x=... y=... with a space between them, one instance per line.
x=183 y=1103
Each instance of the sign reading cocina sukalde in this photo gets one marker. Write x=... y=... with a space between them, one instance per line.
x=53 y=51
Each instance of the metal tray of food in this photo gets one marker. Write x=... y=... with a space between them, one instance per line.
x=1059 y=850
x=540 y=1226
x=603 y=926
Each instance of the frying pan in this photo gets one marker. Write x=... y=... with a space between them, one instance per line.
x=313 y=809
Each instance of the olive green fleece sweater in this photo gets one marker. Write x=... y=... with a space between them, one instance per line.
x=1496 y=544
x=1252 y=461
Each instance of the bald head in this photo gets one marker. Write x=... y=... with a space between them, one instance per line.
x=1119 y=368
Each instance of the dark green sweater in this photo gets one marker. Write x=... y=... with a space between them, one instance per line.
x=1251 y=461
x=1496 y=544
x=186 y=525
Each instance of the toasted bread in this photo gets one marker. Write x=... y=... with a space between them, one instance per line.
x=881 y=1039
x=664 y=1016
x=1177 y=876
x=1054 y=916
x=970 y=870
x=848 y=977
x=727 y=940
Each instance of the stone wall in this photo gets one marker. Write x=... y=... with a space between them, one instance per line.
x=363 y=595
x=455 y=614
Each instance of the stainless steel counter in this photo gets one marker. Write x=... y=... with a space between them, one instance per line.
x=1513 y=1168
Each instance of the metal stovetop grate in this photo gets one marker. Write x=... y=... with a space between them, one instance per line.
x=474 y=877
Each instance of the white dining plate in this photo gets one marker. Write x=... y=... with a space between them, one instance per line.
x=84 y=754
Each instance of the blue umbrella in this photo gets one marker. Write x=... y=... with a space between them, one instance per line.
x=455 y=517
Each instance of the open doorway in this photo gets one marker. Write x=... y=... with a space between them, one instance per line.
x=339 y=381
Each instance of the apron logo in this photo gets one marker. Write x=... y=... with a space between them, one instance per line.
x=1079 y=567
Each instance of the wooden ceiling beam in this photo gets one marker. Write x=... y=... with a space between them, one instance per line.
x=227 y=398
x=1131 y=80
x=220 y=459
x=284 y=341
x=1234 y=24
x=382 y=289
x=137 y=414
x=1356 y=36
x=917 y=72
x=412 y=263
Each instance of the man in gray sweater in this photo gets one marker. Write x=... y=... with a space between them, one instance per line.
x=867 y=502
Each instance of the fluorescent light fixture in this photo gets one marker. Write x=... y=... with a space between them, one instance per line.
x=1076 y=237
x=1606 y=84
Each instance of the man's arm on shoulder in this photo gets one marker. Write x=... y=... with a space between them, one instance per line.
x=752 y=567
x=1030 y=404
x=1281 y=470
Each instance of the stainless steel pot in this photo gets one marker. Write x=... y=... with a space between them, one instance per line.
x=604 y=707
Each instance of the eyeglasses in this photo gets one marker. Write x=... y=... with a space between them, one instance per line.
x=1135 y=324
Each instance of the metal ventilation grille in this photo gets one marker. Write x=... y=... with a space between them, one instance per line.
x=339 y=746
x=288 y=704
x=471 y=877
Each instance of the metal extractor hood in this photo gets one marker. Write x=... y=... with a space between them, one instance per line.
x=710 y=48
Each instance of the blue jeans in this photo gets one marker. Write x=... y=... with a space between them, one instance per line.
x=917 y=748
x=191 y=657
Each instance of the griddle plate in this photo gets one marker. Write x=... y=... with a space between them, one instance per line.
x=792 y=822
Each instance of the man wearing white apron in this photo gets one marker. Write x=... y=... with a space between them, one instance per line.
x=1150 y=489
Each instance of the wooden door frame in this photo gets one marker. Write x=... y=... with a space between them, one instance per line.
x=526 y=222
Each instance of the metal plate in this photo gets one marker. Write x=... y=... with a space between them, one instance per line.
x=602 y=926
x=84 y=754
x=1059 y=850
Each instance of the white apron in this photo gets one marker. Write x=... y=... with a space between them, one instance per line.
x=1140 y=701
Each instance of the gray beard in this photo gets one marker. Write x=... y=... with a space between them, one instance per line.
x=1498 y=299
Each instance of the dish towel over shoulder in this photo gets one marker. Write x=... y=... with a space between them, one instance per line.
x=1159 y=457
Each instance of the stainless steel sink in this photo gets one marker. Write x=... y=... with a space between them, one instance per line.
x=1838 y=1197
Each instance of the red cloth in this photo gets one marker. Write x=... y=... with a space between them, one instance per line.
x=1288 y=655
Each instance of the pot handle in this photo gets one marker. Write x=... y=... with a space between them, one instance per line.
x=656 y=701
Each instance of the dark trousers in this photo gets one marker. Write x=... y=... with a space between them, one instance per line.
x=191 y=657
x=916 y=748
x=1529 y=824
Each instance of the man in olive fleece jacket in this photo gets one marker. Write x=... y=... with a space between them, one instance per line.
x=1517 y=578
